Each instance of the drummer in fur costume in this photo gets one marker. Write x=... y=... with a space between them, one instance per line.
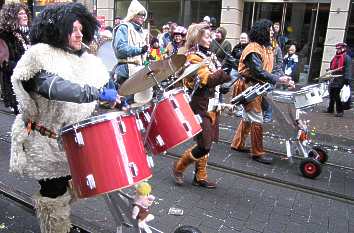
x=255 y=66
x=209 y=76
x=56 y=83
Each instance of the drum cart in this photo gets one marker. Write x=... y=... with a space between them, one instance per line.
x=296 y=129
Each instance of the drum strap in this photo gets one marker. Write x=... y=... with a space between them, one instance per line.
x=30 y=125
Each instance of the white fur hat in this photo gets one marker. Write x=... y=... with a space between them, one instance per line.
x=134 y=8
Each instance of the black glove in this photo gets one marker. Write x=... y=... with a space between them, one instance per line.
x=228 y=64
x=224 y=90
x=144 y=49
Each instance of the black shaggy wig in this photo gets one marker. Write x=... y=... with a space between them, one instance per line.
x=54 y=24
x=260 y=32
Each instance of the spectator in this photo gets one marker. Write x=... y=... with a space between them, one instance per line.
x=237 y=50
x=341 y=62
x=156 y=52
x=179 y=35
x=278 y=72
x=117 y=21
x=220 y=46
x=206 y=20
x=281 y=39
x=167 y=38
x=290 y=62
x=14 y=41
x=236 y=53
x=165 y=29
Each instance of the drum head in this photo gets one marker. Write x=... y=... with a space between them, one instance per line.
x=92 y=120
x=106 y=53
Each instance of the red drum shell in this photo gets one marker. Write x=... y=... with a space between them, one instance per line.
x=112 y=157
x=174 y=122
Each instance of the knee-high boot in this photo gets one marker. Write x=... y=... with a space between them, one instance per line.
x=53 y=213
x=257 y=139
x=201 y=176
x=238 y=142
x=180 y=165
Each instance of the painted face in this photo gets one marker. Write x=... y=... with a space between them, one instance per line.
x=243 y=38
x=205 y=40
x=139 y=19
x=22 y=18
x=75 y=38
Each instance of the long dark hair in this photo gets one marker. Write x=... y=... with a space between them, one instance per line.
x=55 y=23
x=8 y=16
x=260 y=32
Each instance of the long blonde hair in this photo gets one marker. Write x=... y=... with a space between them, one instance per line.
x=194 y=33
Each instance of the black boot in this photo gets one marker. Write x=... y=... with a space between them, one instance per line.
x=266 y=159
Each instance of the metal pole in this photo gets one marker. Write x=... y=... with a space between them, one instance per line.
x=313 y=40
x=253 y=8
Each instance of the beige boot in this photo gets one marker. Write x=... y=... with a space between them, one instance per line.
x=201 y=176
x=53 y=213
x=180 y=166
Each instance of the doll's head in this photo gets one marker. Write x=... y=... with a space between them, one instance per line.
x=143 y=189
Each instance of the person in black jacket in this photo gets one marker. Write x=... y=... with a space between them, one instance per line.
x=14 y=41
x=342 y=63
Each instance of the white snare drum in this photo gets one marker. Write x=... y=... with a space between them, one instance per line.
x=307 y=98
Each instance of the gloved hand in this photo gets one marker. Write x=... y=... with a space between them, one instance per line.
x=228 y=64
x=144 y=49
x=107 y=94
x=224 y=90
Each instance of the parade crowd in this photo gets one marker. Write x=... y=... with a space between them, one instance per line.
x=51 y=78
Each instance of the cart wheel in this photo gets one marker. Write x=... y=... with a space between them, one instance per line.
x=310 y=168
x=322 y=154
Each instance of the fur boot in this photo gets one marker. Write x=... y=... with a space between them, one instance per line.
x=53 y=213
x=201 y=176
x=180 y=166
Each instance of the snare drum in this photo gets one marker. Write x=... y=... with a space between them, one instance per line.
x=105 y=153
x=307 y=98
x=172 y=122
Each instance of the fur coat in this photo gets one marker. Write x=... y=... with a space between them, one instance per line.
x=38 y=156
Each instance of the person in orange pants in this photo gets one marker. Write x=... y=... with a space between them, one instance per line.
x=210 y=76
x=256 y=64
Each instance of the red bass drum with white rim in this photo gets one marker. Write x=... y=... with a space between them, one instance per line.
x=170 y=122
x=105 y=153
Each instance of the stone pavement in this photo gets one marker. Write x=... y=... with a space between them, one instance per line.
x=239 y=204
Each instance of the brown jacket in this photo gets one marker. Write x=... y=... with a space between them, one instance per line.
x=267 y=57
x=206 y=90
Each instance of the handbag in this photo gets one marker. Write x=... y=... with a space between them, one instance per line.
x=344 y=93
